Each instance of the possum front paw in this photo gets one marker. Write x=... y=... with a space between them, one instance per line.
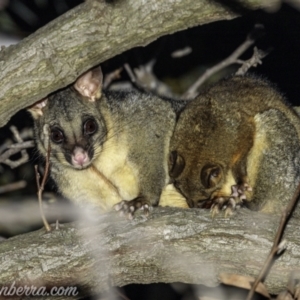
x=128 y=208
x=235 y=200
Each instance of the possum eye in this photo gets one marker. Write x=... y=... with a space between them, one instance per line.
x=56 y=135
x=89 y=127
x=211 y=175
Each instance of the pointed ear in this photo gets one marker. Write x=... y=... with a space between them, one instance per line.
x=89 y=84
x=36 y=109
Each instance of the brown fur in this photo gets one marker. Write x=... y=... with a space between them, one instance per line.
x=239 y=131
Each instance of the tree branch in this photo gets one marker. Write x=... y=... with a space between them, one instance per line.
x=172 y=245
x=8 y=148
x=91 y=33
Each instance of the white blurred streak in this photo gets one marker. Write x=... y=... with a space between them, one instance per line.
x=94 y=221
x=17 y=216
x=181 y=52
x=6 y=40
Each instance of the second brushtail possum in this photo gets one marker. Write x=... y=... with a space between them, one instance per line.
x=238 y=142
x=107 y=148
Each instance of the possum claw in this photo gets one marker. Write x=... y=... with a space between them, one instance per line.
x=227 y=204
x=238 y=192
x=128 y=208
x=231 y=203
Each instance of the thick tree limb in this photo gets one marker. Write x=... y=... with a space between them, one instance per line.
x=58 y=53
x=172 y=245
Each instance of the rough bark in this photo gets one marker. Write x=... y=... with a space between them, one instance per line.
x=58 y=53
x=172 y=245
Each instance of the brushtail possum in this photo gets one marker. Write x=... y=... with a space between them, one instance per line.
x=107 y=148
x=238 y=142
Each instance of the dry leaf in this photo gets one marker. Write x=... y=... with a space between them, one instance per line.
x=243 y=282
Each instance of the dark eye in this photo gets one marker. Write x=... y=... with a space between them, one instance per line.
x=211 y=175
x=57 y=135
x=89 y=127
x=214 y=173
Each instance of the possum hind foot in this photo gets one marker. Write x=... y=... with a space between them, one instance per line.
x=231 y=203
x=128 y=208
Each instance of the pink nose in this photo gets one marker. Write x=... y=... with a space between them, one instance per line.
x=79 y=157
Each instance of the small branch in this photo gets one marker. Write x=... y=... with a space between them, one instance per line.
x=13 y=186
x=16 y=134
x=255 y=60
x=276 y=245
x=111 y=77
x=22 y=145
x=14 y=149
x=145 y=79
x=16 y=163
x=192 y=92
x=9 y=148
x=26 y=133
x=48 y=147
x=129 y=72
x=41 y=186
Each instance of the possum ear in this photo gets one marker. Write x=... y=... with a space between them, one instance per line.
x=176 y=164
x=36 y=109
x=89 y=84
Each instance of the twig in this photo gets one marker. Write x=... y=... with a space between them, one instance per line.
x=276 y=246
x=255 y=60
x=16 y=134
x=13 y=186
x=129 y=72
x=144 y=78
x=111 y=77
x=8 y=148
x=13 y=149
x=26 y=133
x=22 y=145
x=57 y=225
x=192 y=92
x=41 y=186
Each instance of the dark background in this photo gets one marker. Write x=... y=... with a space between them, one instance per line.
x=210 y=43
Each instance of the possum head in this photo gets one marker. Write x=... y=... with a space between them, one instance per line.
x=194 y=167
x=199 y=182
x=76 y=129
